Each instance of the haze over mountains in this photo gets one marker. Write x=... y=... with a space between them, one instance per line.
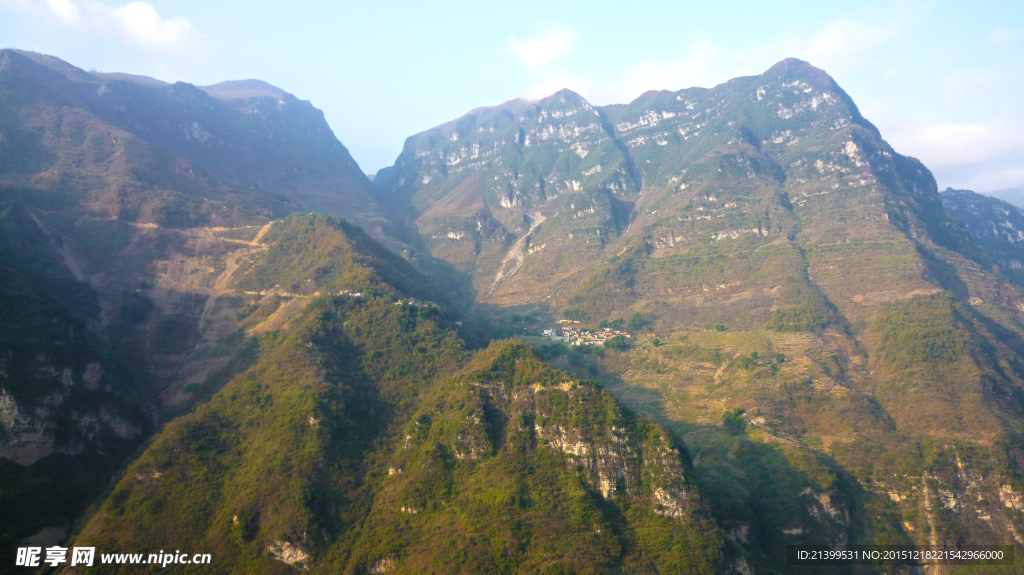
x=1013 y=195
x=824 y=348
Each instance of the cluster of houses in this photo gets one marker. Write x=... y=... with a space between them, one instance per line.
x=576 y=336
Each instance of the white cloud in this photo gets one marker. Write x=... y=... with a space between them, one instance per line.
x=981 y=151
x=843 y=44
x=979 y=156
x=137 y=23
x=944 y=145
x=66 y=11
x=1002 y=35
x=140 y=24
x=535 y=52
x=989 y=180
x=703 y=64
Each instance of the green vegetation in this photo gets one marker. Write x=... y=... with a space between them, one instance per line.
x=365 y=433
x=922 y=331
x=284 y=443
x=574 y=314
x=800 y=318
x=734 y=421
x=617 y=342
x=508 y=497
x=783 y=272
x=992 y=223
x=315 y=253
x=638 y=322
x=612 y=323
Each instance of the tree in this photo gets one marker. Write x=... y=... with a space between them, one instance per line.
x=638 y=322
x=573 y=314
x=733 y=421
x=617 y=342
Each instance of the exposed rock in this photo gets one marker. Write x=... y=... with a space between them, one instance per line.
x=384 y=565
x=741 y=566
x=288 y=553
x=26 y=438
x=92 y=376
x=740 y=533
x=1010 y=498
x=47 y=537
x=615 y=457
x=830 y=512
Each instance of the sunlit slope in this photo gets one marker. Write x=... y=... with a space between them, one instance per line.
x=751 y=191
x=366 y=437
x=800 y=232
x=541 y=180
x=790 y=263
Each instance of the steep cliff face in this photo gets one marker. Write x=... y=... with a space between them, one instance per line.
x=68 y=415
x=996 y=225
x=492 y=187
x=791 y=264
x=783 y=265
x=759 y=185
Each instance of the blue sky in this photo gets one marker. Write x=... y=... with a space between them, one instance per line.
x=943 y=81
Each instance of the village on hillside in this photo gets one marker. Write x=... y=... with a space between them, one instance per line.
x=576 y=336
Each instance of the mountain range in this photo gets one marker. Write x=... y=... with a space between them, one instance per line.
x=220 y=335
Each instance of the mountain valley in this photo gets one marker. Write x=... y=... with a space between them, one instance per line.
x=234 y=342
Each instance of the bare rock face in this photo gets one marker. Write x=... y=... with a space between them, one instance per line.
x=386 y=565
x=996 y=225
x=288 y=553
x=27 y=434
x=614 y=455
x=24 y=438
x=830 y=513
x=481 y=187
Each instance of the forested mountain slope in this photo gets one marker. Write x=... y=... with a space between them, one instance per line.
x=365 y=437
x=126 y=204
x=819 y=352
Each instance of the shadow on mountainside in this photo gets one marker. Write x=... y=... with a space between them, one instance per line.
x=766 y=492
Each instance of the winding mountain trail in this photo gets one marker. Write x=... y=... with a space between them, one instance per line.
x=515 y=253
x=220 y=286
x=231 y=263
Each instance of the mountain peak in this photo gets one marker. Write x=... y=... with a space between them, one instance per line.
x=795 y=68
x=244 y=90
x=562 y=98
x=57 y=65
